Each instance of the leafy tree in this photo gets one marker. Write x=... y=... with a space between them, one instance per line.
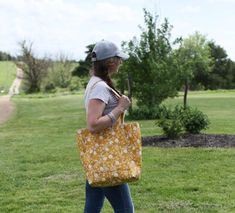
x=59 y=72
x=151 y=66
x=193 y=56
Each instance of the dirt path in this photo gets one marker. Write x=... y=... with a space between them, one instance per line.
x=6 y=107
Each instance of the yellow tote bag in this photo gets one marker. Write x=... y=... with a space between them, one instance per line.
x=113 y=156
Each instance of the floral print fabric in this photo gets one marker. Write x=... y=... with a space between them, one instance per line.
x=112 y=156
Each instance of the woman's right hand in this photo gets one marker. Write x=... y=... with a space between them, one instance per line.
x=124 y=103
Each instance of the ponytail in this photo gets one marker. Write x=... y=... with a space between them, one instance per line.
x=101 y=69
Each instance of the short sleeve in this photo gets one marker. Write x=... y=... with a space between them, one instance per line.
x=101 y=92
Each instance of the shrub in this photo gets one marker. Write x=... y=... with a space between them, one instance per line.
x=194 y=120
x=172 y=128
x=170 y=121
x=174 y=121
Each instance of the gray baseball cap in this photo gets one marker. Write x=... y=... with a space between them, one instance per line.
x=106 y=49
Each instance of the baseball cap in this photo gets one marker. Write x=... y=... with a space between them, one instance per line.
x=106 y=49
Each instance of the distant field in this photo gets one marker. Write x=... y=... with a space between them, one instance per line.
x=7 y=75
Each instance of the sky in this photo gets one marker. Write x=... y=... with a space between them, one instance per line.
x=68 y=26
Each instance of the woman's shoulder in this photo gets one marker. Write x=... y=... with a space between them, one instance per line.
x=97 y=84
x=102 y=84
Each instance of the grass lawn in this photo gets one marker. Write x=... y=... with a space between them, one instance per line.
x=40 y=169
x=7 y=75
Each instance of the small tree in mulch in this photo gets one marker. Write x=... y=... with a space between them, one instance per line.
x=174 y=122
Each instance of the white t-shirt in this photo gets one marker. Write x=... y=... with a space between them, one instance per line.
x=98 y=89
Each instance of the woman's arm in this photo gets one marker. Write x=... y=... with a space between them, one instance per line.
x=95 y=121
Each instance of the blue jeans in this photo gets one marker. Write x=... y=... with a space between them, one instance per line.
x=118 y=196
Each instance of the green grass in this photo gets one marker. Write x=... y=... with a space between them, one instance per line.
x=7 y=75
x=40 y=169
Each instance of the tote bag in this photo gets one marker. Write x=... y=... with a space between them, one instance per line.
x=112 y=156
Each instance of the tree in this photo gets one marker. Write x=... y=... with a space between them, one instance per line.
x=223 y=70
x=59 y=73
x=151 y=65
x=34 y=69
x=193 y=56
x=84 y=65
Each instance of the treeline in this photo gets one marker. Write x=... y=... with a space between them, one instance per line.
x=45 y=74
x=6 y=56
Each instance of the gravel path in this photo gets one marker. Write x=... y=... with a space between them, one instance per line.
x=6 y=106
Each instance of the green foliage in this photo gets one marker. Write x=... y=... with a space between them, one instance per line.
x=59 y=73
x=223 y=70
x=170 y=122
x=194 y=120
x=49 y=87
x=83 y=69
x=151 y=65
x=148 y=113
x=174 y=121
x=59 y=76
x=193 y=57
x=5 y=56
x=172 y=128
x=75 y=84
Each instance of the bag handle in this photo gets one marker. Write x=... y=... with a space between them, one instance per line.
x=115 y=93
x=118 y=96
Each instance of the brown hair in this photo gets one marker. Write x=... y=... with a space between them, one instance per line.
x=101 y=69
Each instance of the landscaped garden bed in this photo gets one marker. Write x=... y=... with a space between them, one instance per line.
x=191 y=140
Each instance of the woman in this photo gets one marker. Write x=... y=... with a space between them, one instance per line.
x=103 y=109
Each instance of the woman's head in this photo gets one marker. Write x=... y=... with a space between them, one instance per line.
x=107 y=66
x=106 y=59
x=106 y=49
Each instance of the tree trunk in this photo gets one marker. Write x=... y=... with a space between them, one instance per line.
x=185 y=93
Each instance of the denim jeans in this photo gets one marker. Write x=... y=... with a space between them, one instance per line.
x=118 y=196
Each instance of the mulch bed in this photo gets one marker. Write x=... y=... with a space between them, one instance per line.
x=191 y=140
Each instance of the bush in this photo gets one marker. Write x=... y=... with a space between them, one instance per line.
x=194 y=120
x=48 y=86
x=174 y=121
x=75 y=84
x=172 y=128
x=170 y=121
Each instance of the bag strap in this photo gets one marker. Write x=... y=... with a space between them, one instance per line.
x=118 y=96
x=115 y=93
